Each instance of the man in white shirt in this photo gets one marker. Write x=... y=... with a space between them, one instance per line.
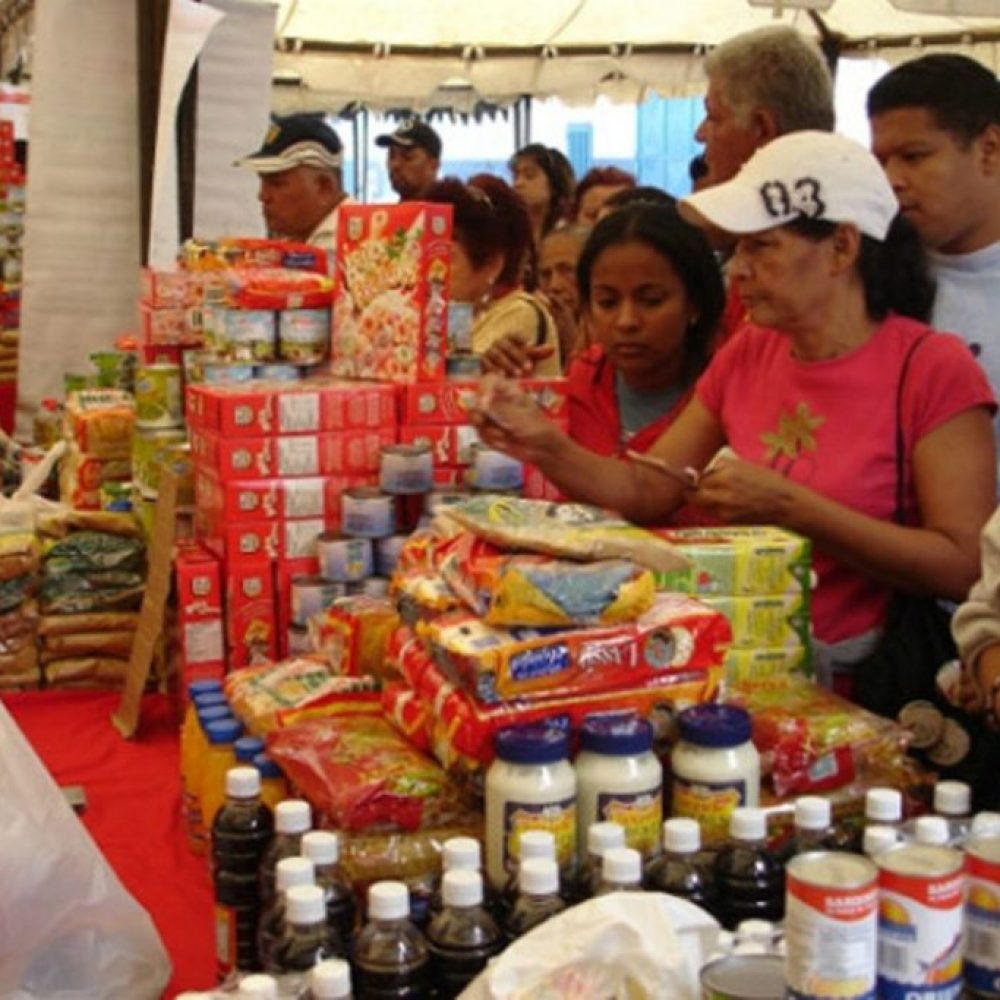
x=301 y=182
x=936 y=130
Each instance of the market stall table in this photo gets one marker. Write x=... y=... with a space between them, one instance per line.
x=133 y=811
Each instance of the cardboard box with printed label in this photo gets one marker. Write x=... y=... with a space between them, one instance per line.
x=251 y=621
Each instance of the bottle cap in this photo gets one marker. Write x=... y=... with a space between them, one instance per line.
x=538 y=876
x=321 y=847
x=952 y=798
x=985 y=824
x=206 y=685
x=388 y=901
x=616 y=735
x=878 y=838
x=258 y=986
x=931 y=830
x=537 y=744
x=289 y=872
x=812 y=812
x=536 y=844
x=681 y=835
x=622 y=865
x=305 y=904
x=747 y=823
x=754 y=927
x=883 y=805
x=247 y=747
x=292 y=816
x=242 y=782
x=461 y=887
x=331 y=980
x=603 y=836
x=210 y=699
x=212 y=713
x=714 y=725
x=268 y=768
x=461 y=853
x=225 y=730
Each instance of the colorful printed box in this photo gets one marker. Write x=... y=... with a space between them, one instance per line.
x=251 y=622
x=199 y=613
x=390 y=310
x=274 y=539
x=759 y=621
x=170 y=325
x=168 y=289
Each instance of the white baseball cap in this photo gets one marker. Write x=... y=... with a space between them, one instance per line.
x=802 y=175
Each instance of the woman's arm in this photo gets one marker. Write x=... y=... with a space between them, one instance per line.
x=976 y=625
x=954 y=473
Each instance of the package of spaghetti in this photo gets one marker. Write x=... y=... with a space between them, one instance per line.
x=110 y=621
x=86 y=671
x=676 y=634
x=355 y=631
x=59 y=523
x=408 y=712
x=56 y=647
x=536 y=591
x=100 y=422
x=360 y=775
x=567 y=530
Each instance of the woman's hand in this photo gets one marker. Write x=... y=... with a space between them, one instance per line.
x=510 y=421
x=511 y=356
x=739 y=492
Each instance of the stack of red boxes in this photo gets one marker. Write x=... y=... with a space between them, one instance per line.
x=11 y=233
x=271 y=462
x=199 y=614
x=169 y=314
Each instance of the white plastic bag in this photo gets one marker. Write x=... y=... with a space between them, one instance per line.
x=68 y=928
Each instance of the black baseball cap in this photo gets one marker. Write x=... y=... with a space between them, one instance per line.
x=295 y=141
x=413 y=134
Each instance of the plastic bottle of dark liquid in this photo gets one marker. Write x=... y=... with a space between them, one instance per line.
x=531 y=844
x=463 y=937
x=307 y=938
x=621 y=871
x=289 y=873
x=242 y=829
x=463 y=854
x=323 y=850
x=538 y=898
x=680 y=870
x=749 y=879
x=390 y=954
x=330 y=980
x=292 y=818
x=601 y=837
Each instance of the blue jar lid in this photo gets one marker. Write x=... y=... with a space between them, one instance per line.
x=224 y=730
x=535 y=744
x=713 y=725
x=617 y=735
x=213 y=713
x=203 y=686
x=267 y=767
x=206 y=699
x=247 y=747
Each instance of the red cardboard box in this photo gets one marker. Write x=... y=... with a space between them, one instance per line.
x=251 y=622
x=450 y=402
x=274 y=539
x=173 y=325
x=390 y=310
x=451 y=444
x=199 y=611
x=169 y=289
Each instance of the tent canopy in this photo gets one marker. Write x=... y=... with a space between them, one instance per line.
x=424 y=53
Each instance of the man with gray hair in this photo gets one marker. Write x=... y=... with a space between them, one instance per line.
x=761 y=84
x=301 y=184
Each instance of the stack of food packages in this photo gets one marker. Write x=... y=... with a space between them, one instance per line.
x=11 y=234
x=19 y=561
x=92 y=580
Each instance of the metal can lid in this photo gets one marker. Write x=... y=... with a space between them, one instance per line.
x=833 y=868
x=927 y=860
x=748 y=977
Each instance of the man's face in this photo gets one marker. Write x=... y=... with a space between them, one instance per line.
x=557 y=269
x=292 y=201
x=412 y=170
x=728 y=142
x=947 y=189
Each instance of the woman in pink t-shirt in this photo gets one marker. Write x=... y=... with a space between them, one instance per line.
x=805 y=397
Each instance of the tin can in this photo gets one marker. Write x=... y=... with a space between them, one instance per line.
x=831 y=918
x=459 y=329
x=495 y=472
x=226 y=372
x=367 y=513
x=370 y=586
x=982 y=916
x=344 y=559
x=304 y=335
x=463 y=366
x=441 y=500
x=277 y=372
x=248 y=334
x=406 y=469
x=744 y=977
x=298 y=640
x=387 y=552
x=920 y=923
x=312 y=595
x=159 y=401
x=116 y=497
x=152 y=449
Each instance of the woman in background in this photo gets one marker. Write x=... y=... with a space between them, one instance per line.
x=593 y=190
x=544 y=179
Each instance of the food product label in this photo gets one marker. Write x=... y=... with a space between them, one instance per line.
x=539 y=662
x=559 y=818
x=640 y=814
x=711 y=804
x=300 y=538
x=304 y=498
x=982 y=926
x=203 y=641
x=298 y=412
x=298 y=456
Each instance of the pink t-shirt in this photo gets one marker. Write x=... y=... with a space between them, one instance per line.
x=831 y=425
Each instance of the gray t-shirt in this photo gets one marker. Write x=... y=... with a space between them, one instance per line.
x=637 y=408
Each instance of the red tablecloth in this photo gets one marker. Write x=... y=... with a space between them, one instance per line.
x=133 y=811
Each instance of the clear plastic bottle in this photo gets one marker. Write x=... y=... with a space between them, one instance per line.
x=755 y=937
x=289 y=872
x=931 y=830
x=258 y=986
x=330 y=980
x=532 y=844
x=242 y=830
x=307 y=938
x=813 y=829
x=463 y=937
x=322 y=848
x=878 y=838
x=601 y=837
x=390 y=955
x=953 y=801
x=985 y=824
x=273 y=787
x=884 y=806
x=292 y=818
x=538 y=897
x=462 y=854
x=217 y=761
x=621 y=871
x=749 y=879
x=680 y=870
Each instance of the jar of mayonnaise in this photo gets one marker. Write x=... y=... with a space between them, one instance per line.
x=715 y=767
x=620 y=780
x=529 y=786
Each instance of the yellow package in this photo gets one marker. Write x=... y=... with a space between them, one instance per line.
x=100 y=422
x=775 y=621
x=355 y=631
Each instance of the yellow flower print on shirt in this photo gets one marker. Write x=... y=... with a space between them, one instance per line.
x=794 y=436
